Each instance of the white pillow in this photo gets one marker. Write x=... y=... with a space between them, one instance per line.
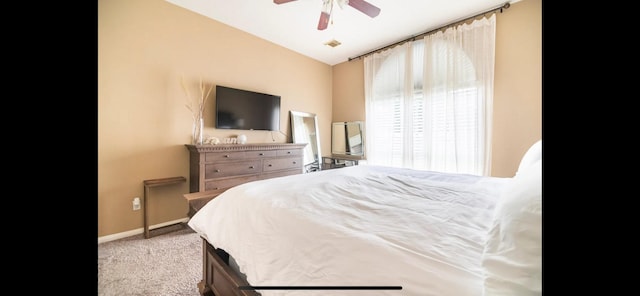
x=512 y=258
x=533 y=154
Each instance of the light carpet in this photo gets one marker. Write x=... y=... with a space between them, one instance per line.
x=163 y=265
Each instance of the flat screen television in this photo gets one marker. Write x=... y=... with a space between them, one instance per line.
x=246 y=110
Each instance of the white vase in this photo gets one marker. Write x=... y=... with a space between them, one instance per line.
x=196 y=137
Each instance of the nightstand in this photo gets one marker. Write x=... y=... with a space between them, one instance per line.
x=334 y=162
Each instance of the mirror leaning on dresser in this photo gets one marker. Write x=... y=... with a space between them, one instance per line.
x=304 y=129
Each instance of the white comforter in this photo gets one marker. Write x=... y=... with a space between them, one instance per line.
x=357 y=226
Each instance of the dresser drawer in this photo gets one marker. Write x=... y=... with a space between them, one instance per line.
x=259 y=154
x=291 y=152
x=281 y=173
x=228 y=169
x=223 y=156
x=275 y=164
x=229 y=182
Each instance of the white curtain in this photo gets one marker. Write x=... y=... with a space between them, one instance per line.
x=429 y=102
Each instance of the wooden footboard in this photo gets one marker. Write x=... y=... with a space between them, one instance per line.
x=218 y=278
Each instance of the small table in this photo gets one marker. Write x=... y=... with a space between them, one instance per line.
x=334 y=162
x=155 y=183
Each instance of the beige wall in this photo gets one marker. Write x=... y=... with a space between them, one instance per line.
x=517 y=98
x=145 y=46
x=348 y=91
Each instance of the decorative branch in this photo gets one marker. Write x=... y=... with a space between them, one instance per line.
x=196 y=112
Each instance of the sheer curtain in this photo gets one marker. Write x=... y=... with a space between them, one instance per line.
x=429 y=102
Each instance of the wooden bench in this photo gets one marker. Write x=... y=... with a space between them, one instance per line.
x=148 y=184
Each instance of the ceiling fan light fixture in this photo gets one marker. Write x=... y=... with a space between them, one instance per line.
x=327 y=6
x=332 y=43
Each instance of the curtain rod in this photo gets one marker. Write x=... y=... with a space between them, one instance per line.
x=413 y=38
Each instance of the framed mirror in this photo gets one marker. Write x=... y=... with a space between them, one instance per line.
x=347 y=139
x=304 y=129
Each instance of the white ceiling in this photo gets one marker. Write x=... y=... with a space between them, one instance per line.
x=294 y=25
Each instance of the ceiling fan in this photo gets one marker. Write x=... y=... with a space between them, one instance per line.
x=327 y=5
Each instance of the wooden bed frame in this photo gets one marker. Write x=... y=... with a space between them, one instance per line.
x=218 y=278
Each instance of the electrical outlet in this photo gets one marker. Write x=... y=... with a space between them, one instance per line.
x=136 y=204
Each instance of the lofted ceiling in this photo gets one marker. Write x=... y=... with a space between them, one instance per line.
x=294 y=24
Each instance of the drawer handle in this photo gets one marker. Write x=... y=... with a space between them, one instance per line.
x=270 y=165
x=261 y=154
x=288 y=152
x=251 y=167
x=217 y=171
x=226 y=155
x=294 y=162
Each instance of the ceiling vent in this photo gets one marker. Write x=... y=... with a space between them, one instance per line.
x=332 y=43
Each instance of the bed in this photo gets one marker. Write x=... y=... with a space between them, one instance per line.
x=372 y=230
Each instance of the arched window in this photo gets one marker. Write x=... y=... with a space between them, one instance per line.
x=428 y=101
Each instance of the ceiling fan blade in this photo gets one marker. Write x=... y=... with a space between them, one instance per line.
x=365 y=7
x=325 y=14
x=324 y=20
x=282 y=1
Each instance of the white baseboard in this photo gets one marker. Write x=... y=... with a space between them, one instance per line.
x=112 y=237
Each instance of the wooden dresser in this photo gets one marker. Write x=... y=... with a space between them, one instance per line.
x=215 y=168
